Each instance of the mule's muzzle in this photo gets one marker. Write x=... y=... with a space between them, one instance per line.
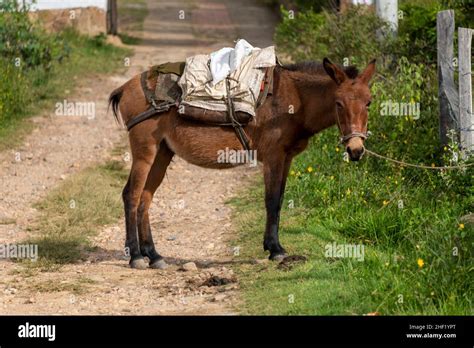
x=355 y=148
x=355 y=154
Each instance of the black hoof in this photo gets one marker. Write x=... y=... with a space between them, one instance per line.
x=138 y=264
x=277 y=256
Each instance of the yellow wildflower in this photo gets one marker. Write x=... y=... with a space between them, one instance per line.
x=461 y=226
x=385 y=202
x=310 y=169
x=420 y=262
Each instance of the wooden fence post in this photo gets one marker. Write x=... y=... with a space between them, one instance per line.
x=466 y=118
x=447 y=93
x=112 y=21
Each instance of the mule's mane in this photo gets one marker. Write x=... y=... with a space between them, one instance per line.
x=312 y=67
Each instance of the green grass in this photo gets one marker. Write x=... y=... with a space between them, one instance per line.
x=87 y=57
x=357 y=203
x=73 y=212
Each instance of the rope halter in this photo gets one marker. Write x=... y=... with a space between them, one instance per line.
x=346 y=137
x=353 y=134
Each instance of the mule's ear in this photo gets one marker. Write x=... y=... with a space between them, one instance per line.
x=336 y=73
x=369 y=71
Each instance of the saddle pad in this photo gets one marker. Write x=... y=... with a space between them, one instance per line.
x=167 y=88
x=245 y=82
x=176 y=68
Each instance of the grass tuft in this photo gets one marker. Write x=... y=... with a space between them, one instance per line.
x=74 y=211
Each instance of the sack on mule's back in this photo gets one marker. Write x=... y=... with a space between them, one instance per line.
x=245 y=83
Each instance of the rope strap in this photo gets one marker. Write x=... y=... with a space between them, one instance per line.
x=416 y=165
x=239 y=130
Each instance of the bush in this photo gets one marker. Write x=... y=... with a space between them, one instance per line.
x=33 y=71
x=27 y=55
x=417 y=33
x=12 y=91
x=311 y=35
x=413 y=138
x=24 y=42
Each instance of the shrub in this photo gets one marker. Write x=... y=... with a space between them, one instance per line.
x=21 y=39
x=354 y=34
x=33 y=72
x=417 y=33
x=12 y=91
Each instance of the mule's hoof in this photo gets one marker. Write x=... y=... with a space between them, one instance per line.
x=277 y=257
x=138 y=264
x=159 y=264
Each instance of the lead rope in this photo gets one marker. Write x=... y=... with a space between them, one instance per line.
x=372 y=153
x=417 y=165
x=344 y=138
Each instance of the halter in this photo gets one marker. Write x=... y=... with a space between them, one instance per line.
x=346 y=137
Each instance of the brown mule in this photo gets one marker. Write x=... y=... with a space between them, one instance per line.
x=307 y=98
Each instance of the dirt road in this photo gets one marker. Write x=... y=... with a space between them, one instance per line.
x=189 y=218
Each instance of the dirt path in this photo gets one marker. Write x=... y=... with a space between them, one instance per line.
x=189 y=218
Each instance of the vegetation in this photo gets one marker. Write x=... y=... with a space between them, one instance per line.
x=38 y=68
x=412 y=223
x=72 y=213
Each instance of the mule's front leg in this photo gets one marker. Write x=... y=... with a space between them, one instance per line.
x=275 y=174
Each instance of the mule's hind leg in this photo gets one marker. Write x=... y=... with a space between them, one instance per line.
x=155 y=177
x=132 y=192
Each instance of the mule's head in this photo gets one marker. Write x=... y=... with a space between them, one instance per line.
x=352 y=102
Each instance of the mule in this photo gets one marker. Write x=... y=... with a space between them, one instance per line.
x=307 y=98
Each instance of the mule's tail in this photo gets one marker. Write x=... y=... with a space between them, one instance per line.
x=114 y=101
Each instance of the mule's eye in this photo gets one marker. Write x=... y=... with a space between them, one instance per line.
x=368 y=104
x=339 y=104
